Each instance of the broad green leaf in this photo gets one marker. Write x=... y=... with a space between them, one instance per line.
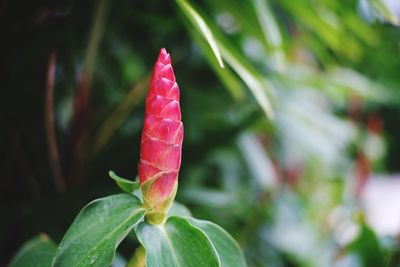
x=37 y=252
x=123 y=183
x=227 y=249
x=98 y=229
x=199 y=23
x=176 y=243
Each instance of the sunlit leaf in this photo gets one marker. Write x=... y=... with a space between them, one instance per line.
x=199 y=22
x=246 y=72
x=257 y=86
x=383 y=10
x=271 y=31
x=231 y=81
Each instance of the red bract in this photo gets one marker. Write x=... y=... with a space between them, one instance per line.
x=161 y=146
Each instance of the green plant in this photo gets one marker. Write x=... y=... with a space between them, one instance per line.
x=282 y=185
x=167 y=239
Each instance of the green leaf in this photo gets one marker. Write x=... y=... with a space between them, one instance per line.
x=98 y=229
x=250 y=76
x=178 y=209
x=231 y=82
x=383 y=10
x=123 y=183
x=227 y=249
x=271 y=32
x=37 y=252
x=201 y=25
x=368 y=248
x=176 y=243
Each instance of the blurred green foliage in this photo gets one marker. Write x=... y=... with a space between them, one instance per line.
x=276 y=142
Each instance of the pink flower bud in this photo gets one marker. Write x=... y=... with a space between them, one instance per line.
x=162 y=135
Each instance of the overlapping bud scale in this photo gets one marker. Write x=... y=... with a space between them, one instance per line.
x=162 y=135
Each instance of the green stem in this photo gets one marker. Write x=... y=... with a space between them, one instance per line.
x=155 y=217
x=95 y=37
x=138 y=259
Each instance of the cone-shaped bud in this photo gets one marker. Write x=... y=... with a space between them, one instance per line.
x=161 y=146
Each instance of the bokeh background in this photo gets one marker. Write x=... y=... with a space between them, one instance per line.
x=293 y=146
